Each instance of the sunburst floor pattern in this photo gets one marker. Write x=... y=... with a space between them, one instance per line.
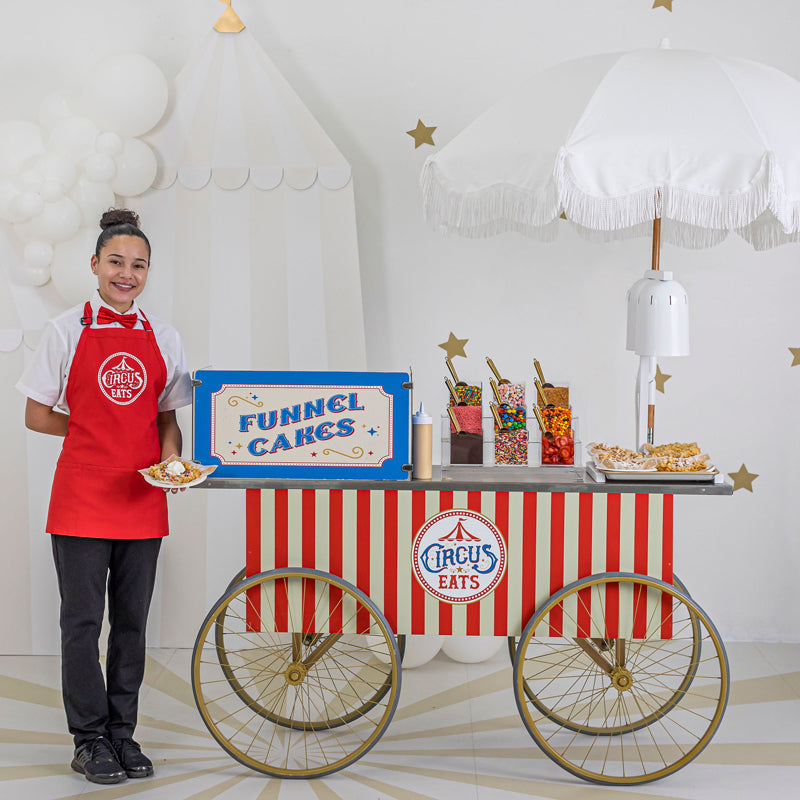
x=456 y=734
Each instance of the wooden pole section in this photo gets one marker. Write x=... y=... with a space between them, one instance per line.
x=656 y=242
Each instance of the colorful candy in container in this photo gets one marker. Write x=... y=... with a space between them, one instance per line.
x=465 y=394
x=554 y=413
x=510 y=421
x=465 y=442
x=510 y=443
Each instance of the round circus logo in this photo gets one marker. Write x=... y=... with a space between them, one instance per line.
x=122 y=378
x=458 y=556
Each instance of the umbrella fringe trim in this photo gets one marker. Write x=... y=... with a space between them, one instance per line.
x=699 y=220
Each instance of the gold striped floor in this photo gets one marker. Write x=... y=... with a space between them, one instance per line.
x=456 y=734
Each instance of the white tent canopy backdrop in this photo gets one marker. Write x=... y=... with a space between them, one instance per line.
x=240 y=152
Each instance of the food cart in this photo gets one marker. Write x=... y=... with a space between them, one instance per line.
x=618 y=674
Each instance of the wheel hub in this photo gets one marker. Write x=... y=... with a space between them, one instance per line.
x=295 y=673
x=621 y=679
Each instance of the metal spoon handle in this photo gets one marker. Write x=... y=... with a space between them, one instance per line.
x=453 y=371
x=453 y=392
x=546 y=433
x=453 y=419
x=496 y=416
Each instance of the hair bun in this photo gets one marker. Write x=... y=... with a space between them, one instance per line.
x=119 y=216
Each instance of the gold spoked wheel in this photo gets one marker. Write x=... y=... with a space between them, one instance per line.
x=315 y=642
x=627 y=654
x=296 y=673
x=572 y=655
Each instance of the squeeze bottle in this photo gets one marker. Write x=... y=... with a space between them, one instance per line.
x=422 y=445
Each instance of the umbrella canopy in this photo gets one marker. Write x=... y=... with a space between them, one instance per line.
x=707 y=144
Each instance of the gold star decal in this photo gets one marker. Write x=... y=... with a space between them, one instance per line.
x=663 y=4
x=454 y=347
x=422 y=134
x=795 y=355
x=742 y=479
x=661 y=379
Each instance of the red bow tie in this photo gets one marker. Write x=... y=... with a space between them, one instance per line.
x=106 y=316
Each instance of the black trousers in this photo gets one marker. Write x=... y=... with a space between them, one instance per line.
x=84 y=568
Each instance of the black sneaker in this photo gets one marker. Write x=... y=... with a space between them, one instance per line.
x=135 y=763
x=97 y=760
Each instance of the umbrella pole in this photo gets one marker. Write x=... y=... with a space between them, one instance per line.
x=651 y=362
x=646 y=376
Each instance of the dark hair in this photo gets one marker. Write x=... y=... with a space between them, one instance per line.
x=119 y=222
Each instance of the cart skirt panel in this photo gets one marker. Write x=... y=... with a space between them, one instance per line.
x=552 y=539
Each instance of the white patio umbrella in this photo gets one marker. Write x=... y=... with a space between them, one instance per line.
x=677 y=143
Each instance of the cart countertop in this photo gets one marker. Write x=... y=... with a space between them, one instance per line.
x=482 y=479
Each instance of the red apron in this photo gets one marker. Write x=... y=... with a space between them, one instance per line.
x=116 y=377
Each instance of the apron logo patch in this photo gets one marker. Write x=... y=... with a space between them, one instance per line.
x=122 y=378
x=458 y=556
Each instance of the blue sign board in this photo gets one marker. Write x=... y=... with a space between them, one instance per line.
x=257 y=424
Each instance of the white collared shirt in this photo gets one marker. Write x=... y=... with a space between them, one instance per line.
x=45 y=377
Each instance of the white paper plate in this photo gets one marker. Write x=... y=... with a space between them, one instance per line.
x=205 y=472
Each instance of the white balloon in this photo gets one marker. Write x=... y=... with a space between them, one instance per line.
x=420 y=650
x=53 y=109
x=36 y=276
x=472 y=649
x=100 y=168
x=92 y=199
x=38 y=254
x=8 y=193
x=136 y=169
x=74 y=137
x=30 y=180
x=108 y=144
x=126 y=93
x=52 y=190
x=28 y=204
x=57 y=167
x=19 y=141
x=71 y=274
x=57 y=222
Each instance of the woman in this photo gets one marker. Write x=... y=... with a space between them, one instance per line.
x=108 y=379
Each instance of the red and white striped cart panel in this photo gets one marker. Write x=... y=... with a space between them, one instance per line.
x=550 y=539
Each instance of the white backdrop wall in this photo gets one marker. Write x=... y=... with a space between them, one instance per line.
x=367 y=71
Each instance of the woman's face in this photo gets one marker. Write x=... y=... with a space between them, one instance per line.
x=121 y=271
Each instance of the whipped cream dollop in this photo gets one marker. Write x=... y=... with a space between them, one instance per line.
x=176 y=468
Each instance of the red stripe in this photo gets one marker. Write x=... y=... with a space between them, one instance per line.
x=474 y=609
x=335 y=525
x=585 y=502
x=445 y=609
x=390 y=558
x=252 y=499
x=362 y=555
x=640 y=534
x=417 y=592
x=308 y=543
x=308 y=527
x=556 y=559
x=667 y=573
x=529 y=500
x=501 y=592
x=281 y=556
x=612 y=565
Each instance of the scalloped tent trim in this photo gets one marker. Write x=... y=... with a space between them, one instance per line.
x=264 y=178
